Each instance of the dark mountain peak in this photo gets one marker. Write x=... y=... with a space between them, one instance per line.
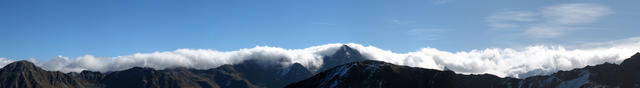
x=343 y=55
x=347 y=52
x=298 y=70
x=296 y=66
x=25 y=62
x=22 y=65
x=636 y=56
x=631 y=62
x=295 y=72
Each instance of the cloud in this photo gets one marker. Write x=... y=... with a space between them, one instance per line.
x=547 y=31
x=508 y=62
x=551 y=21
x=5 y=61
x=503 y=62
x=508 y=19
x=578 y=13
x=192 y=58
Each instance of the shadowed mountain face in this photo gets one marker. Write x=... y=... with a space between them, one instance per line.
x=380 y=74
x=344 y=55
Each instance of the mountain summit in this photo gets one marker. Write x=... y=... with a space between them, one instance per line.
x=24 y=74
x=344 y=55
x=21 y=66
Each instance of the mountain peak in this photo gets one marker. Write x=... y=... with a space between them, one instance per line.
x=22 y=65
x=633 y=60
x=343 y=55
x=637 y=55
x=22 y=62
x=347 y=52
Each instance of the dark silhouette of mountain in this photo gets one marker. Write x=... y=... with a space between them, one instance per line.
x=380 y=74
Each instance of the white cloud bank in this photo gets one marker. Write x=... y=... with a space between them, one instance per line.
x=533 y=60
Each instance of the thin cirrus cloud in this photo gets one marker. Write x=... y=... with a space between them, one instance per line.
x=503 y=62
x=509 y=19
x=551 y=21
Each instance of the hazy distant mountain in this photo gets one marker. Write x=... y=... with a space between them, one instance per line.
x=378 y=74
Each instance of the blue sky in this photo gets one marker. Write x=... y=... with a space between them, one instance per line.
x=45 y=29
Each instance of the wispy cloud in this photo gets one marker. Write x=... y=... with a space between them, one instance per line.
x=579 y=13
x=509 y=19
x=549 y=22
x=4 y=61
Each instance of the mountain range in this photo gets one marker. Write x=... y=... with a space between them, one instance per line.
x=345 y=68
x=378 y=74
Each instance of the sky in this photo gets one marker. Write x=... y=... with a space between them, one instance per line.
x=47 y=29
